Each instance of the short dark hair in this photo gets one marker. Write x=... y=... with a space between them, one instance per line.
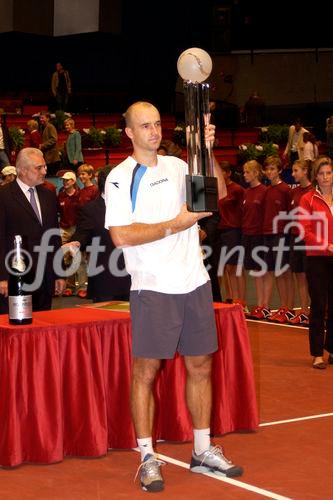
x=102 y=175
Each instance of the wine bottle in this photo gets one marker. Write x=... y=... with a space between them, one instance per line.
x=19 y=301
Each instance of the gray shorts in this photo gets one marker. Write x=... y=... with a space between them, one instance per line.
x=165 y=323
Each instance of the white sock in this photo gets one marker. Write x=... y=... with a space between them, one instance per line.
x=201 y=440
x=146 y=446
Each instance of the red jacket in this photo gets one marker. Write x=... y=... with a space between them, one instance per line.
x=318 y=228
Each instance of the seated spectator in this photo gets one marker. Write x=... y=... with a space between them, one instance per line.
x=49 y=185
x=8 y=174
x=169 y=148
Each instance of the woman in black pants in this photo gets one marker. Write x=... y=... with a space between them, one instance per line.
x=318 y=235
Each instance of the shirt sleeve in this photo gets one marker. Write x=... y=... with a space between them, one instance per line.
x=118 y=200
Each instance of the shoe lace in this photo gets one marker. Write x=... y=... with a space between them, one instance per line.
x=149 y=466
x=218 y=452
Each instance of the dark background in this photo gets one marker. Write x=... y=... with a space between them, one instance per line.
x=110 y=70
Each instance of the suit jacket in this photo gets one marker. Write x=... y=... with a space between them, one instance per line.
x=49 y=144
x=104 y=286
x=17 y=217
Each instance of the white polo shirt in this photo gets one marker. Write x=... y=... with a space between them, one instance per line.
x=173 y=264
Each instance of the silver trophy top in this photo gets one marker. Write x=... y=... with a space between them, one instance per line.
x=194 y=65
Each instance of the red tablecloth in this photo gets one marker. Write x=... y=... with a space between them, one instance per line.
x=65 y=384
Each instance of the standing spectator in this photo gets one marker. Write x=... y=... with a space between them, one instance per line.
x=254 y=110
x=108 y=284
x=35 y=139
x=230 y=210
x=319 y=261
x=295 y=144
x=61 y=87
x=302 y=175
x=210 y=238
x=252 y=231
x=277 y=203
x=329 y=137
x=8 y=174
x=310 y=150
x=72 y=147
x=5 y=143
x=88 y=193
x=28 y=209
x=68 y=206
x=90 y=190
x=49 y=144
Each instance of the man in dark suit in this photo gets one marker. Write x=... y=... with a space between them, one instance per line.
x=106 y=285
x=31 y=219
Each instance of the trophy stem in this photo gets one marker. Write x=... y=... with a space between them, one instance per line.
x=201 y=185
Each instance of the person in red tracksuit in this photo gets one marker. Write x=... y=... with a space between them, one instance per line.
x=276 y=207
x=252 y=237
x=301 y=171
x=88 y=193
x=318 y=235
x=230 y=211
x=68 y=206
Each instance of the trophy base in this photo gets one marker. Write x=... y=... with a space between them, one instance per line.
x=201 y=193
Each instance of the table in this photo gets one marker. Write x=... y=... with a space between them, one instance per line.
x=65 y=385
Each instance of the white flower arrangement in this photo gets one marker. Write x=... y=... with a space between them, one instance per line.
x=260 y=151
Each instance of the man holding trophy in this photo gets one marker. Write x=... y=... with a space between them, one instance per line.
x=171 y=300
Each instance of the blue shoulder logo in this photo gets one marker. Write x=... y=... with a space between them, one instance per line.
x=116 y=184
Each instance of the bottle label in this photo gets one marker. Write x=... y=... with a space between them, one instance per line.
x=20 y=306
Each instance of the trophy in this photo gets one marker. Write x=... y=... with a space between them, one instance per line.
x=194 y=66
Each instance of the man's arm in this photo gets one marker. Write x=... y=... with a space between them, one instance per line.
x=221 y=186
x=139 y=233
x=210 y=139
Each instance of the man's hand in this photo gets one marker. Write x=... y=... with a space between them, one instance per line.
x=59 y=286
x=186 y=219
x=4 y=288
x=210 y=135
x=72 y=247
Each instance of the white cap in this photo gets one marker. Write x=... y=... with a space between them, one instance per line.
x=8 y=170
x=69 y=175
